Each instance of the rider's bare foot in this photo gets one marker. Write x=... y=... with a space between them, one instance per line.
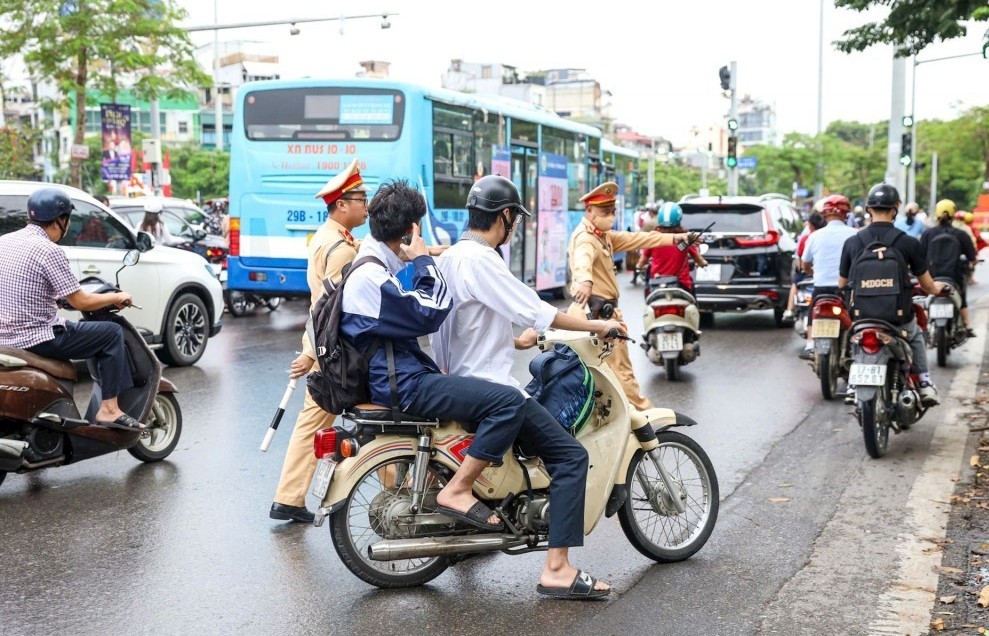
x=562 y=578
x=461 y=502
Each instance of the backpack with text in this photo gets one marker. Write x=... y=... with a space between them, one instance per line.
x=944 y=255
x=879 y=279
x=342 y=379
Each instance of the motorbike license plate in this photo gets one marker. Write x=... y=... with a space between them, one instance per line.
x=867 y=374
x=824 y=328
x=321 y=481
x=710 y=274
x=941 y=310
x=669 y=341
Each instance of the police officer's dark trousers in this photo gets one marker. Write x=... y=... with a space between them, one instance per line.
x=101 y=340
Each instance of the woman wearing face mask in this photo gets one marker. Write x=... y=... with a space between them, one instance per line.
x=592 y=267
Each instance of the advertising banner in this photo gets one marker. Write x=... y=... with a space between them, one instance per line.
x=551 y=242
x=115 y=126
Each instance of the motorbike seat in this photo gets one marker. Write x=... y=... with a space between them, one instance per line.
x=871 y=323
x=58 y=368
x=384 y=415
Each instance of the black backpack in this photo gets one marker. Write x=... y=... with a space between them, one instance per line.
x=342 y=379
x=879 y=280
x=944 y=255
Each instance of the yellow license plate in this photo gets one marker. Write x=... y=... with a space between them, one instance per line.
x=823 y=328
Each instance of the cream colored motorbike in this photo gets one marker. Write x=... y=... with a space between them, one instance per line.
x=379 y=473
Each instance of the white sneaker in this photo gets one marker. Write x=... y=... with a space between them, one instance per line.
x=928 y=394
x=787 y=315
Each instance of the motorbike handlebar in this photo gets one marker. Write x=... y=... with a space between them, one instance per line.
x=614 y=334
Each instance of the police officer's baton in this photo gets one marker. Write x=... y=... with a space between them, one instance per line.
x=276 y=420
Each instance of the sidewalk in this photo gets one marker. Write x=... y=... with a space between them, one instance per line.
x=962 y=599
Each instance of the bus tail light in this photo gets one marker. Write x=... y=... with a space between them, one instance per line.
x=234 y=236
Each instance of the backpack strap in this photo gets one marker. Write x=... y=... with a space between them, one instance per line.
x=326 y=263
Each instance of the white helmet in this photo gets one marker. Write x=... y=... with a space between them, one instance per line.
x=153 y=205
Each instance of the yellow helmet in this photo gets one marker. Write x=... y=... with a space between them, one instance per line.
x=969 y=218
x=945 y=209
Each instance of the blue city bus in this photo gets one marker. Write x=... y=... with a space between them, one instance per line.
x=290 y=136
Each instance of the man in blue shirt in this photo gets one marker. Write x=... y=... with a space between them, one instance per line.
x=909 y=223
x=822 y=256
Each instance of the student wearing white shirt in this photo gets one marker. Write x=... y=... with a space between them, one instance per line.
x=476 y=340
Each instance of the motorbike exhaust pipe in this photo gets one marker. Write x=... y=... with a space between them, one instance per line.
x=908 y=400
x=394 y=549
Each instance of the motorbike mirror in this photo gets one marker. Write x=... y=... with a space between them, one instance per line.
x=131 y=258
x=704 y=247
x=144 y=241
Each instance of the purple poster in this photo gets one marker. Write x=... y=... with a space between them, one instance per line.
x=501 y=161
x=115 y=126
x=551 y=251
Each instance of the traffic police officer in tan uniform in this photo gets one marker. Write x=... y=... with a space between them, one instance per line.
x=592 y=269
x=330 y=250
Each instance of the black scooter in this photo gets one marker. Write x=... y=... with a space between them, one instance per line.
x=40 y=425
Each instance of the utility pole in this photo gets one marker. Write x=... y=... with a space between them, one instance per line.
x=730 y=83
x=218 y=102
x=895 y=171
x=819 y=183
x=155 y=154
x=931 y=204
x=651 y=181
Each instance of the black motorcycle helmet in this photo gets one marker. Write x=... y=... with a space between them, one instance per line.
x=883 y=196
x=493 y=194
x=48 y=204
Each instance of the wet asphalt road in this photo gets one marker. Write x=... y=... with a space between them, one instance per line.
x=112 y=546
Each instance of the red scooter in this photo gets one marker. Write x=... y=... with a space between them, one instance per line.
x=830 y=331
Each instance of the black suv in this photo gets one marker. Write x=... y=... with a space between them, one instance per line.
x=750 y=251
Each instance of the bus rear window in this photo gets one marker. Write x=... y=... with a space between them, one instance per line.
x=363 y=114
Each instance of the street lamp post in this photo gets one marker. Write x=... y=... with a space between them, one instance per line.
x=217 y=100
x=819 y=183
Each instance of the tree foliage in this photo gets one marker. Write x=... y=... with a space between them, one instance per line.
x=16 y=154
x=198 y=172
x=911 y=24
x=83 y=44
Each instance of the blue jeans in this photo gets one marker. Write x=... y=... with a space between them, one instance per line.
x=101 y=340
x=496 y=410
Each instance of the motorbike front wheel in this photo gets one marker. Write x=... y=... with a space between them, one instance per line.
x=649 y=518
x=273 y=303
x=239 y=304
x=941 y=342
x=381 y=496
x=165 y=429
x=874 y=417
x=672 y=369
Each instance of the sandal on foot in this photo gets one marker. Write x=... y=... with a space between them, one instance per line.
x=477 y=516
x=581 y=589
x=124 y=422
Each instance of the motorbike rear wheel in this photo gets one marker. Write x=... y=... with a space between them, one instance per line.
x=3 y=475
x=650 y=520
x=238 y=304
x=941 y=342
x=166 y=428
x=672 y=369
x=874 y=417
x=273 y=303
x=363 y=520
x=827 y=369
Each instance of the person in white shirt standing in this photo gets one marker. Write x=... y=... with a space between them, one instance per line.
x=476 y=340
x=822 y=255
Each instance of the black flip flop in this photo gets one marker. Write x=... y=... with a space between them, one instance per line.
x=477 y=516
x=581 y=589
x=124 y=422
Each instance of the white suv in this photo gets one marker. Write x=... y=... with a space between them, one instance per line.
x=178 y=291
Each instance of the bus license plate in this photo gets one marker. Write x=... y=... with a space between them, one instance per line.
x=823 y=328
x=670 y=341
x=867 y=374
x=710 y=274
x=321 y=481
x=942 y=310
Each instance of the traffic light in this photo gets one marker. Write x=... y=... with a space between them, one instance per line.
x=906 y=145
x=725 y=76
x=732 y=159
x=733 y=124
x=907 y=121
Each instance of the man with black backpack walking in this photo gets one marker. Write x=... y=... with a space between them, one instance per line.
x=943 y=246
x=875 y=268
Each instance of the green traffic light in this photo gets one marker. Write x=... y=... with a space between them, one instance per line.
x=731 y=162
x=905 y=160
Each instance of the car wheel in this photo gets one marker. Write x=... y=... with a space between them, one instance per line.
x=707 y=319
x=186 y=331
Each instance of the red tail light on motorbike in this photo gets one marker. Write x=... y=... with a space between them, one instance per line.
x=668 y=310
x=325 y=443
x=871 y=340
x=233 y=235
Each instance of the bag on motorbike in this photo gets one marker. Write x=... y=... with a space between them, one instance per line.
x=944 y=255
x=342 y=379
x=879 y=280
x=563 y=385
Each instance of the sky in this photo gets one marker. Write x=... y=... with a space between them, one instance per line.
x=659 y=58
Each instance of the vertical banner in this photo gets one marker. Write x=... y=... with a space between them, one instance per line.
x=501 y=162
x=551 y=262
x=115 y=126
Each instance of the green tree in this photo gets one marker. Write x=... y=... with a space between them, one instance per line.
x=911 y=24
x=962 y=145
x=82 y=44
x=674 y=179
x=199 y=172
x=16 y=154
